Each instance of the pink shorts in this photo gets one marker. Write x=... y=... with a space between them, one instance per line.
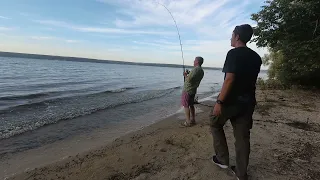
x=187 y=100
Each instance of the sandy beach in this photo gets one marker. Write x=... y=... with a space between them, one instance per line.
x=285 y=144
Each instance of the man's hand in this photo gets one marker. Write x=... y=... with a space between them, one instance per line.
x=185 y=74
x=217 y=110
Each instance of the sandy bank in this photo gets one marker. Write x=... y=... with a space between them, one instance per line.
x=285 y=144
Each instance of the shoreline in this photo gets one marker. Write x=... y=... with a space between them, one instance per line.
x=42 y=162
x=71 y=146
x=280 y=145
x=125 y=138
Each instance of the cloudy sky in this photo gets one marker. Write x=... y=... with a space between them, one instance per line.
x=125 y=30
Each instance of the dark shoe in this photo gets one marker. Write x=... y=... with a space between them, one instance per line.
x=233 y=169
x=218 y=163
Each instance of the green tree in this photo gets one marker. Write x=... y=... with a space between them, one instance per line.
x=290 y=28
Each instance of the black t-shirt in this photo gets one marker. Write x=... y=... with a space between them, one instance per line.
x=245 y=64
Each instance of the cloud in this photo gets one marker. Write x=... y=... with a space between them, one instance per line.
x=120 y=31
x=186 y=13
x=194 y=46
x=209 y=22
x=145 y=12
x=48 y=29
x=5 y=28
x=46 y=38
x=100 y=29
x=214 y=51
x=53 y=23
x=3 y=17
x=72 y=41
x=24 y=14
x=164 y=44
x=42 y=37
x=206 y=18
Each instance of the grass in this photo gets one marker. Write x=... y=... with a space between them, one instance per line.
x=270 y=84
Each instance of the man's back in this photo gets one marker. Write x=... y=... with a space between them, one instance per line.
x=245 y=64
x=193 y=80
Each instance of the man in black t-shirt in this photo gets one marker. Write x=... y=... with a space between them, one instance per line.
x=236 y=102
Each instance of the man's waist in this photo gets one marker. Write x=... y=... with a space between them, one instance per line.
x=240 y=98
x=191 y=86
x=190 y=90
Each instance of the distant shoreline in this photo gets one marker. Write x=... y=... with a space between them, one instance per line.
x=80 y=59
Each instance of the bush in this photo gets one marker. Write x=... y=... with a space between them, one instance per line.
x=270 y=84
x=291 y=31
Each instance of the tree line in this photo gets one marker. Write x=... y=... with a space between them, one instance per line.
x=290 y=29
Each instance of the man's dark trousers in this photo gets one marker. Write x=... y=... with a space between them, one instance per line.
x=240 y=115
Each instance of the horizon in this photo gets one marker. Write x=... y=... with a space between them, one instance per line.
x=140 y=31
x=110 y=61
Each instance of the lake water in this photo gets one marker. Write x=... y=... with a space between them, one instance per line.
x=41 y=100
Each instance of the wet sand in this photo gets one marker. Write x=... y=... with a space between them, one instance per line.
x=285 y=144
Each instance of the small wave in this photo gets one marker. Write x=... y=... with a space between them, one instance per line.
x=47 y=99
x=45 y=102
x=58 y=84
x=177 y=87
x=119 y=90
x=53 y=111
x=24 y=96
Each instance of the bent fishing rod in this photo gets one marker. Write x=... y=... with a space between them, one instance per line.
x=184 y=78
x=178 y=36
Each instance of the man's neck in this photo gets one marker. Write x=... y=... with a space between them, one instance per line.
x=240 y=45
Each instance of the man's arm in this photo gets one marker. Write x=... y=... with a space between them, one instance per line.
x=226 y=87
x=230 y=69
x=187 y=75
x=192 y=74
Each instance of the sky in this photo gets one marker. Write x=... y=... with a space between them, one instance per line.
x=125 y=30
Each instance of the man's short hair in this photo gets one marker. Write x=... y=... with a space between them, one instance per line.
x=200 y=60
x=245 y=32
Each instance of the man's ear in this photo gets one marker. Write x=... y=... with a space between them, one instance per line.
x=237 y=37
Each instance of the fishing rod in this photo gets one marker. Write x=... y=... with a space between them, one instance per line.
x=184 y=78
